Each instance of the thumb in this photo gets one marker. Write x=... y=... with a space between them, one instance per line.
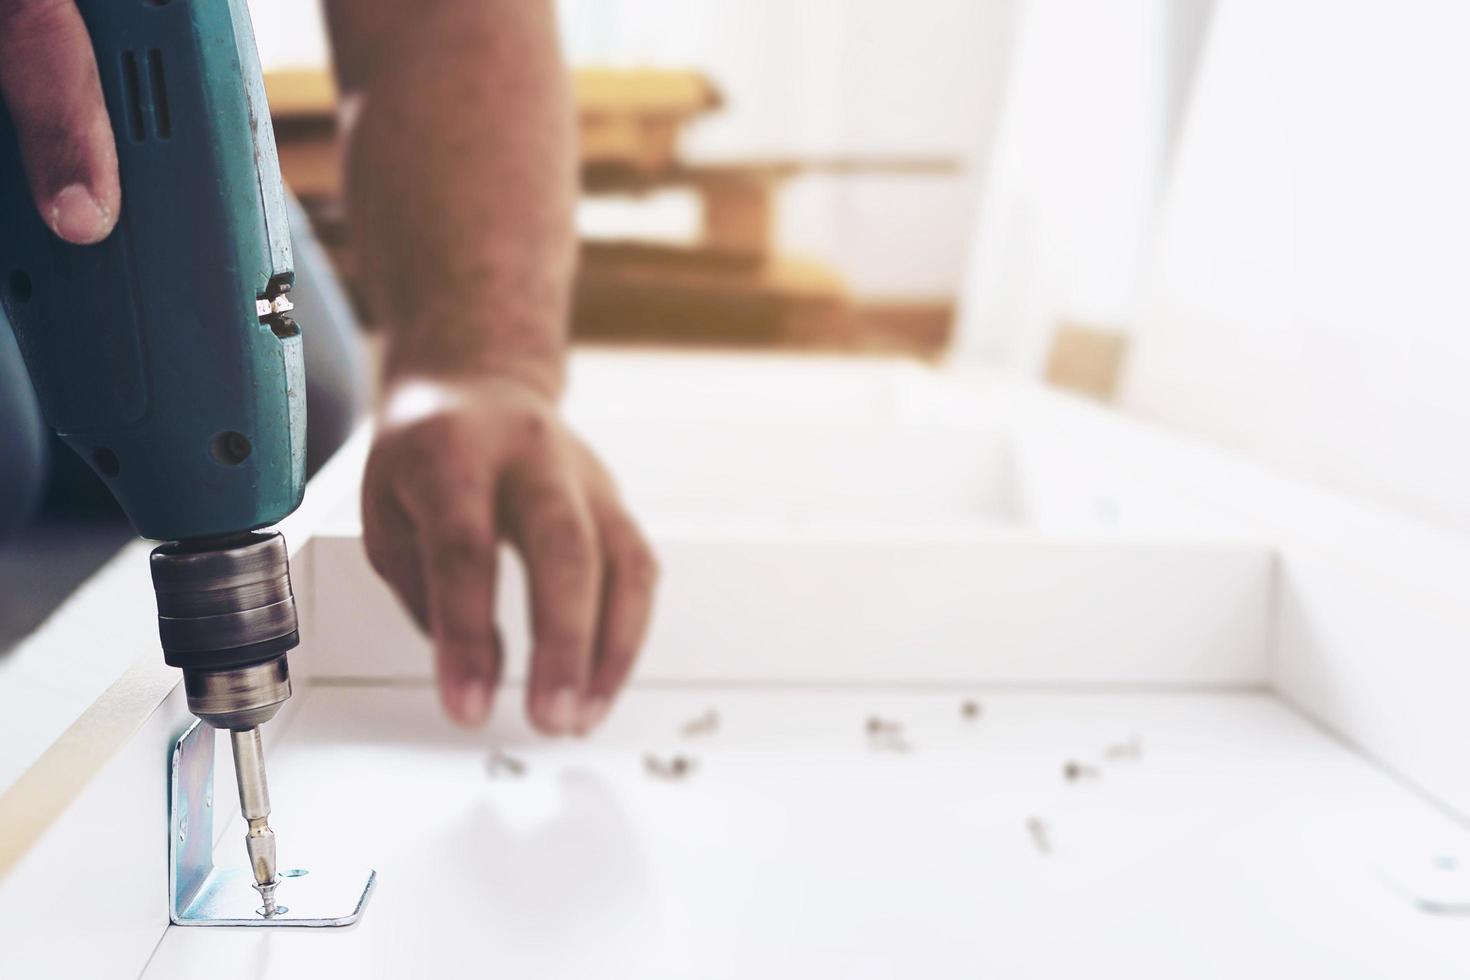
x=48 y=78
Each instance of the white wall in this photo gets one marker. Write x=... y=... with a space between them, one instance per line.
x=1279 y=221
x=1091 y=100
x=1307 y=300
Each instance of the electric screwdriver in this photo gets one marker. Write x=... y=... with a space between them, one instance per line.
x=165 y=355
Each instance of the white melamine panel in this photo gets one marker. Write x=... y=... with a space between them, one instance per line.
x=810 y=472
x=1241 y=844
x=610 y=388
x=867 y=606
x=52 y=676
x=90 y=898
x=1371 y=618
x=1380 y=664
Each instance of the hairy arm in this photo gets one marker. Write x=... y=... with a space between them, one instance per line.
x=461 y=181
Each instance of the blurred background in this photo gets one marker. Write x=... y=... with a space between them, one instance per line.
x=764 y=174
x=1241 y=221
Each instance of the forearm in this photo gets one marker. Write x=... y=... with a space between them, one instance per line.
x=461 y=181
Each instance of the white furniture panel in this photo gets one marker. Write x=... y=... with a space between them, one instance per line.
x=880 y=607
x=1057 y=547
x=1243 y=843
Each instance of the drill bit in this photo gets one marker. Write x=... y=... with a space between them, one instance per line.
x=255 y=807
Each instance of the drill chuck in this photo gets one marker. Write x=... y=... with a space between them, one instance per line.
x=227 y=616
x=226 y=602
x=238 y=698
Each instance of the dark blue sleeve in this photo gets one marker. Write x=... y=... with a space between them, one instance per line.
x=23 y=439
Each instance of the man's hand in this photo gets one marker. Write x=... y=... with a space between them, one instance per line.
x=457 y=467
x=48 y=78
x=461 y=197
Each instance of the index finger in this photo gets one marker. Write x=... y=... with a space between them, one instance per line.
x=49 y=81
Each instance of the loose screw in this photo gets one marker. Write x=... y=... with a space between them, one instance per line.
x=879 y=726
x=1040 y=836
x=705 y=724
x=501 y=762
x=1077 y=771
x=675 y=767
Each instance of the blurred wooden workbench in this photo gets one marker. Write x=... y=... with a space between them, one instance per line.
x=730 y=286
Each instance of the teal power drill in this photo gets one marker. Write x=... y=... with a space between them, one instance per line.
x=165 y=355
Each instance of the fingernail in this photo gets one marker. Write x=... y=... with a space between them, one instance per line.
x=474 y=702
x=561 y=711
x=78 y=217
x=593 y=713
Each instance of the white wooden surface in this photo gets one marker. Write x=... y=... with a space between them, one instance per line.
x=1371 y=618
x=1305 y=308
x=1072 y=500
x=880 y=605
x=820 y=518
x=1243 y=843
x=58 y=671
x=90 y=898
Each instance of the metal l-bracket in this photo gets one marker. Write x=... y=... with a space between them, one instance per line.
x=201 y=894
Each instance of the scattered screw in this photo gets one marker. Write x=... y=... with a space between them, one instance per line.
x=878 y=726
x=1076 y=771
x=674 y=767
x=705 y=724
x=1040 y=836
x=499 y=762
x=1131 y=749
x=970 y=710
x=883 y=734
